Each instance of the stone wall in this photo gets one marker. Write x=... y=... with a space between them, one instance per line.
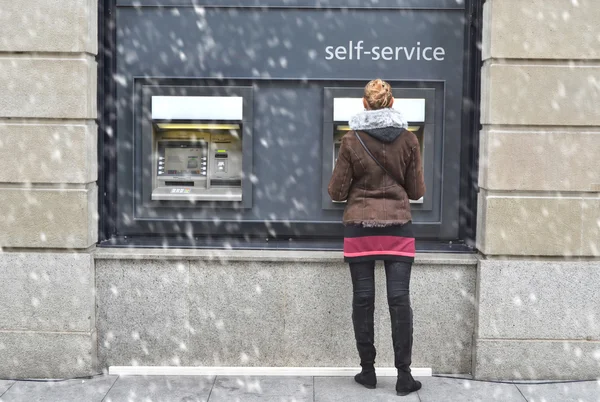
x=48 y=170
x=539 y=200
x=287 y=309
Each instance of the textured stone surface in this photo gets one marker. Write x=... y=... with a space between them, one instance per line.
x=518 y=159
x=541 y=29
x=271 y=314
x=142 y=312
x=49 y=26
x=453 y=390
x=48 y=87
x=591 y=227
x=237 y=314
x=343 y=389
x=5 y=385
x=49 y=152
x=160 y=388
x=47 y=292
x=529 y=225
x=318 y=318
x=47 y=354
x=268 y=389
x=48 y=218
x=566 y=392
x=88 y=390
x=444 y=312
x=521 y=299
x=536 y=360
x=536 y=94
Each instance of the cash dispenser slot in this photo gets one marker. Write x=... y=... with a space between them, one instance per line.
x=413 y=110
x=197 y=148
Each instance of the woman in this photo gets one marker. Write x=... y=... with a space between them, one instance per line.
x=378 y=170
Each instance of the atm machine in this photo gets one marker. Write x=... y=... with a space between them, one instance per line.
x=413 y=110
x=197 y=148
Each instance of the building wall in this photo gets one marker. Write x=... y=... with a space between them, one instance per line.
x=532 y=304
x=539 y=200
x=48 y=194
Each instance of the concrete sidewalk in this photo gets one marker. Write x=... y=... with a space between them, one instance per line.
x=275 y=389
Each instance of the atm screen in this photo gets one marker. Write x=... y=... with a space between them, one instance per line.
x=184 y=161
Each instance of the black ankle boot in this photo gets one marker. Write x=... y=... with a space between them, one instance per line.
x=406 y=384
x=367 y=377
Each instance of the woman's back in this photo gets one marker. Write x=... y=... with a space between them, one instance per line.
x=375 y=198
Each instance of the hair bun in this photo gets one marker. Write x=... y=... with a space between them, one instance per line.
x=378 y=94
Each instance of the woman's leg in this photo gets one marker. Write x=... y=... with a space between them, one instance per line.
x=398 y=294
x=363 y=309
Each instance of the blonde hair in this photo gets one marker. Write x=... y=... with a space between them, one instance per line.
x=378 y=94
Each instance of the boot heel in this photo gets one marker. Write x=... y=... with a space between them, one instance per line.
x=367 y=379
x=414 y=387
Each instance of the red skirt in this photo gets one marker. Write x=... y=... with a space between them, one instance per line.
x=390 y=243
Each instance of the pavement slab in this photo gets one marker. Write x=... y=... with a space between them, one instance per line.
x=588 y=391
x=345 y=389
x=264 y=389
x=437 y=389
x=4 y=386
x=160 y=389
x=88 y=390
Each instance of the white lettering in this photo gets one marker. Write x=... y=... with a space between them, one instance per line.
x=375 y=51
x=425 y=53
x=398 y=49
x=340 y=53
x=355 y=51
x=387 y=53
x=329 y=51
x=358 y=48
x=439 y=53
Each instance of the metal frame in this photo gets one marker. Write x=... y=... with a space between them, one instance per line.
x=143 y=145
x=259 y=237
x=469 y=158
x=324 y=4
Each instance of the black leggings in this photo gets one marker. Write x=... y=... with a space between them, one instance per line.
x=363 y=308
x=397 y=279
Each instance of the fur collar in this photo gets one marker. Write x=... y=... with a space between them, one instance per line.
x=375 y=119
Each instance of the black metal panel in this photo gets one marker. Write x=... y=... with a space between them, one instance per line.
x=246 y=46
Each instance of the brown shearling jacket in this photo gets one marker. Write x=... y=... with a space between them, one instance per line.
x=375 y=199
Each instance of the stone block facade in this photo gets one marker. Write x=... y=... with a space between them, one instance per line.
x=538 y=216
x=48 y=192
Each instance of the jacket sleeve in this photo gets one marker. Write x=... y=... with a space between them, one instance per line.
x=414 y=180
x=341 y=179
